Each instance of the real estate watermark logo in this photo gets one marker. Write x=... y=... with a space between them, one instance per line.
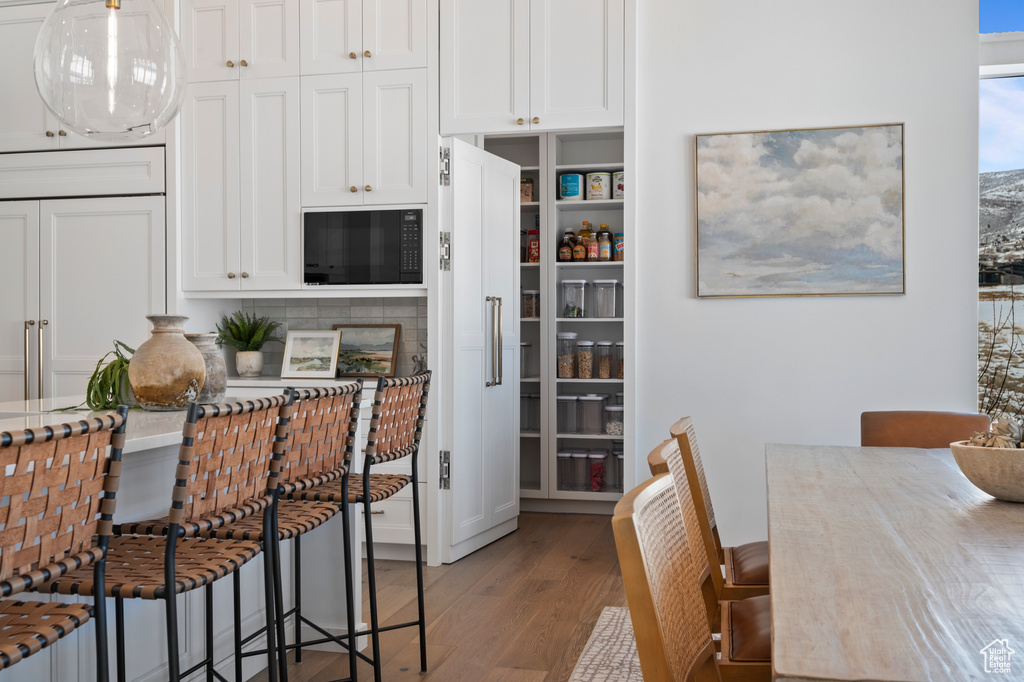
x=997 y=656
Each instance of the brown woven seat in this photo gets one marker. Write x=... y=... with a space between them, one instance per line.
x=294 y=518
x=57 y=496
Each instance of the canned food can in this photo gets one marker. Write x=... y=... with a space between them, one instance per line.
x=619 y=185
x=570 y=187
x=599 y=185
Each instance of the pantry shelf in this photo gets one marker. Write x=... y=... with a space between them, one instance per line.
x=589 y=205
x=584 y=167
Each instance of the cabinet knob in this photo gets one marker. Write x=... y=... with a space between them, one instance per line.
x=49 y=133
x=231 y=275
x=367 y=54
x=243 y=63
x=245 y=275
x=63 y=133
x=368 y=188
x=536 y=120
x=353 y=189
x=353 y=55
x=231 y=64
x=520 y=121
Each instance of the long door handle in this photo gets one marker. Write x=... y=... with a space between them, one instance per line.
x=493 y=300
x=42 y=323
x=28 y=375
x=499 y=343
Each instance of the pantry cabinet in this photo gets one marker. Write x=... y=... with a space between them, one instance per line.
x=240 y=190
x=364 y=138
x=228 y=40
x=354 y=36
x=538 y=65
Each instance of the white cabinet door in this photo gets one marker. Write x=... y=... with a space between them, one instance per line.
x=101 y=272
x=576 y=63
x=210 y=188
x=19 y=314
x=395 y=137
x=485 y=66
x=394 y=34
x=269 y=192
x=332 y=111
x=209 y=35
x=268 y=38
x=24 y=120
x=331 y=36
x=483 y=422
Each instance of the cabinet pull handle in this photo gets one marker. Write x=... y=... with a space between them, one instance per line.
x=520 y=121
x=62 y=133
x=353 y=189
x=368 y=188
x=367 y=54
x=493 y=300
x=353 y=55
x=28 y=323
x=500 y=343
x=49 y=133
x=536 y=119
x=231 y=275
x=373 y=511
x=243 y=63
x=245 y=275
x=231 y=64
x=42 y=323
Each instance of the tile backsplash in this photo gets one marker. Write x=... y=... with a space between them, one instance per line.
x=323 y=313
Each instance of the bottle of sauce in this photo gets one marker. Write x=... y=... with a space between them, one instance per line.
x=594 y=246
x=565 y=248
x=604 y=243
x=579 y=251
x=534 y=245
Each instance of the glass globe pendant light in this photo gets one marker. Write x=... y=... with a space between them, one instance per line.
x=110 y=69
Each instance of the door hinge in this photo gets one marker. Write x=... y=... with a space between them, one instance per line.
x=446 y=167
x=446 y=470
x=446 y=251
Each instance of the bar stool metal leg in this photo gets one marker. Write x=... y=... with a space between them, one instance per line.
x=371 y=581
x=122 y=675
x=419 y=568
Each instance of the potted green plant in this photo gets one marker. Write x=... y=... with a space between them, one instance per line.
x=247 y=334
x=108 y=386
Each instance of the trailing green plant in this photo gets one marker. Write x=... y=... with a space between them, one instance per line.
x=108 y=385
x=246 y=332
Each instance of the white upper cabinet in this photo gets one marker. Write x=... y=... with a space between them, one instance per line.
x=352 y=36
x=514 y=65
x=240 y=39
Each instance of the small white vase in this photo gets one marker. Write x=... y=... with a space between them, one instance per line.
x=249 y=363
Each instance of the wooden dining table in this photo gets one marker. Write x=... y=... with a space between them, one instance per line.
x=888 y=564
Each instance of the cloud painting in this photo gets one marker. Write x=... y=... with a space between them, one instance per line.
x=804 y=212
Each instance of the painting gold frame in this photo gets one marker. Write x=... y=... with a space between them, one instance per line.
x=368 y=350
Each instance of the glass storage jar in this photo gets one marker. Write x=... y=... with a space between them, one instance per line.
x=585 y=359
x=591 y=408
x=613 y=424
x=568 y=414
x=620 y=359
x=603 y=360
x=580 y=464
x=525 y=355
x=619 y=456
x=604 y=297
x=566 y=352
x=529 y=409
x=565 y=473
x=531 y=304
x=620 y=398
x=611 y=481
x=573 y=298
x=598 y=473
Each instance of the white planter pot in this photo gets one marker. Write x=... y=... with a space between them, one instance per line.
x=249 y=363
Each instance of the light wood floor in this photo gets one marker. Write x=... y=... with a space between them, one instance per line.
x=519 y=610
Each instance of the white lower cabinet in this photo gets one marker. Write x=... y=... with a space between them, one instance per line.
x=86 y=272
x=240 y=186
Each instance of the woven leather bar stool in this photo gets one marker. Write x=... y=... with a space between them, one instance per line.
x=57 y=497
x=320 y=445
x=227 y=470
x=399 y=409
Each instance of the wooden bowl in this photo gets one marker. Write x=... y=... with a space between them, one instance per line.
x=997 y=471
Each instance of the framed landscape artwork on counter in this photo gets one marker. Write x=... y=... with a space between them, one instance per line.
x=368 y=350
x=310 y=355
x=815 y=212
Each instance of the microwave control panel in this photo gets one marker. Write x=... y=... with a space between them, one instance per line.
x=411 y=245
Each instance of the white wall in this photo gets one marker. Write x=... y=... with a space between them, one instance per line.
x=801 y=370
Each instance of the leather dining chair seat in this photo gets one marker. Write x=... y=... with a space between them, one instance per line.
x=750 y=629
x=919 y=429
x=749 y=565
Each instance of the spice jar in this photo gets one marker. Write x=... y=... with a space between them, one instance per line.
x=580 y=464
x=620 y=355
x=597 y=471
x=531 y=303
x=568 y=414
x=604 y=297
x=603 y=359
x=566 y=480
x=591 y=408
x=613 y=420
x=585 y=360
x=573 y=298
x=566 y=355
x=525 y=353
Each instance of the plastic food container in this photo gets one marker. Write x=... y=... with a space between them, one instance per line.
x=580 y=467
x=613 y=416
x=599 y=186
x=573 y=298
x=616 y=471
x=529 y=412
x=591 y=419
x=598 y=471
x=570 y=187
x=525 y=357
x=604 y=297
x=566 y=355
x=568 y=414
x=620 y=398
x=603 y=360
x=566 y=478
x=531 y=304
x=620 y=358
x=585 y=360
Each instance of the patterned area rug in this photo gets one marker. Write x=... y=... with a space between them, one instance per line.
x=610 y=654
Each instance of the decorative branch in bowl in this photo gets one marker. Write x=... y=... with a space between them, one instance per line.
x=1004 y=433
x=247 y=334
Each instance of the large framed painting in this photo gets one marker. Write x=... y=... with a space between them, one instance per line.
x=368 y=350
x=310 y=355
x=815 y=212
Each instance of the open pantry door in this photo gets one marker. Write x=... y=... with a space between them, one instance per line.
x=480 y=218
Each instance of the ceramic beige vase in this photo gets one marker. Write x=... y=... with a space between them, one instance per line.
x=167 y=372
x=249 y=363
x=216 y=384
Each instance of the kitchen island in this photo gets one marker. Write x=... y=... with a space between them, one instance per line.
x=150 y=456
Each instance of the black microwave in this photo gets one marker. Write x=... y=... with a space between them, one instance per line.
x=363 y=247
